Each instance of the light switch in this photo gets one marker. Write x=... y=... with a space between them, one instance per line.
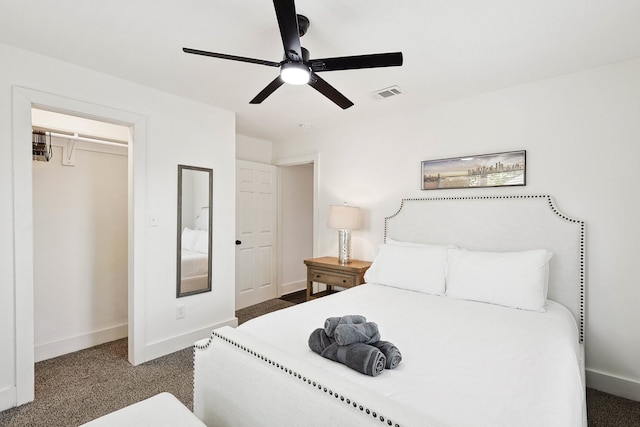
x=181 y=312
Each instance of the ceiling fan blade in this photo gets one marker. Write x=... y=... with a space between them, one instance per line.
x=271 y=87
x=354 y=62
x=329 y=91
x=288 y=23
x=231 y=57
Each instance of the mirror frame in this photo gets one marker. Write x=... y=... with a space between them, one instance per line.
x=180 y=294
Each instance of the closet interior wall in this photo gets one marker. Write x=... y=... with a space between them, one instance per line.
x=80 y=247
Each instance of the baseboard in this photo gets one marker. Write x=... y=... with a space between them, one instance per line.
x=171 y=345
x=8 y=398
x=288 y=288
x=80 y=342
x=618 y=386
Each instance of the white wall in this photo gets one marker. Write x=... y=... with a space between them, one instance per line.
x=80 y=251
x=253 y=149
x=177 y=131
x=296 y=225
x=581 y=133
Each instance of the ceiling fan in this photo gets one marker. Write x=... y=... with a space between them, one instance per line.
x=296 y=67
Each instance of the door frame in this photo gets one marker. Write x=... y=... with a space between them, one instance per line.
x=23 y=100
x=296 y=161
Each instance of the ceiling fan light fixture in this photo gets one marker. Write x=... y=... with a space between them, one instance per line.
x=295 y=73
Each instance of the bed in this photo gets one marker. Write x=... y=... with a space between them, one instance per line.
x=475 y=352
x=194 y=260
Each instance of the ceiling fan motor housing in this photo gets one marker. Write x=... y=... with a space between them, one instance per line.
x=303 y=24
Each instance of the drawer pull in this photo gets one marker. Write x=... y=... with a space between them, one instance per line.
x=344 y=281
x=318 y=276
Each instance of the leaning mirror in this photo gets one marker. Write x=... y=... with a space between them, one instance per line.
x=195 y=220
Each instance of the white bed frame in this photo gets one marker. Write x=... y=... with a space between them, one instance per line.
x=228 y=360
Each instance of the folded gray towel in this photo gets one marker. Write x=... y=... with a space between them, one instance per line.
x=319 y=340
x=366 y=333
x=363 y=358
x=391 y=352
x=352 y=319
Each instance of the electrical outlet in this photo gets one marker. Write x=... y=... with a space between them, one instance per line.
x=181 y=312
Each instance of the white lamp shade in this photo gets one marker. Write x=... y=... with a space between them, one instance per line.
x=344 y=217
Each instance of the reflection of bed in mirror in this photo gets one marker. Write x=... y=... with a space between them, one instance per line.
x=194 y=271
x=194 y=264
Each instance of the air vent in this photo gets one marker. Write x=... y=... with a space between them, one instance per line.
x=387 y=92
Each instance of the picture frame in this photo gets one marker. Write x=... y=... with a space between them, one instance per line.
x=504 y=169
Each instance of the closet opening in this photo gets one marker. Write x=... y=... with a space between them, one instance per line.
x=297 y=222
x=80 y=232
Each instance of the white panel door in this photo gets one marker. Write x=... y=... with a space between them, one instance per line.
x=255 y=233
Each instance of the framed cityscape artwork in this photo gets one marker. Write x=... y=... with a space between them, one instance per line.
x=479 y=171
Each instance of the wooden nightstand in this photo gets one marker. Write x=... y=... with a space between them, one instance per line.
x=329 y=271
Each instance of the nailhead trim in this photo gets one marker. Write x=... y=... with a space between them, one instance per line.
x=297 y=375
x=553 y=208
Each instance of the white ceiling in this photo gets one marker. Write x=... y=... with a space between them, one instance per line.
x=451 y=48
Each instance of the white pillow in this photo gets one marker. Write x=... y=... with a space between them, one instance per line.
x=512 y=279
x=188 y=238
x=417 y=268
x=202 y=242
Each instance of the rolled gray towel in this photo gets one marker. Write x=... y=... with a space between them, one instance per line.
x=351 y=319
x=319 y=340
x=366 y=333
x=363 y=358
x=391 y=352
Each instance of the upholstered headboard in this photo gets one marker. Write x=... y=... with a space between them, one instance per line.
x=503 y=223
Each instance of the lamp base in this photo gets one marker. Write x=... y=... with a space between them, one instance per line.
x=344 y=246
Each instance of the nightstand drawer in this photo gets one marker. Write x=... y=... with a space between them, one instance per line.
x=333 y=279
x=330 y=272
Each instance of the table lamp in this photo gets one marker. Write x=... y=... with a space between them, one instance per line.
x=344 y=218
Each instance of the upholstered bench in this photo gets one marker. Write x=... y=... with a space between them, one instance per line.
x=160 y=410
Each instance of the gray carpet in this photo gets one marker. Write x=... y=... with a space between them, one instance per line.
x=78 y=387
x=248 y=313
x=81 y=386
x=606 y=410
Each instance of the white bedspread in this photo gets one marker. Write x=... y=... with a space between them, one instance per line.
x=193 y=264
x=464 y=363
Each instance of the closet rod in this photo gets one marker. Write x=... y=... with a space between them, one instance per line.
x=75 y=137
